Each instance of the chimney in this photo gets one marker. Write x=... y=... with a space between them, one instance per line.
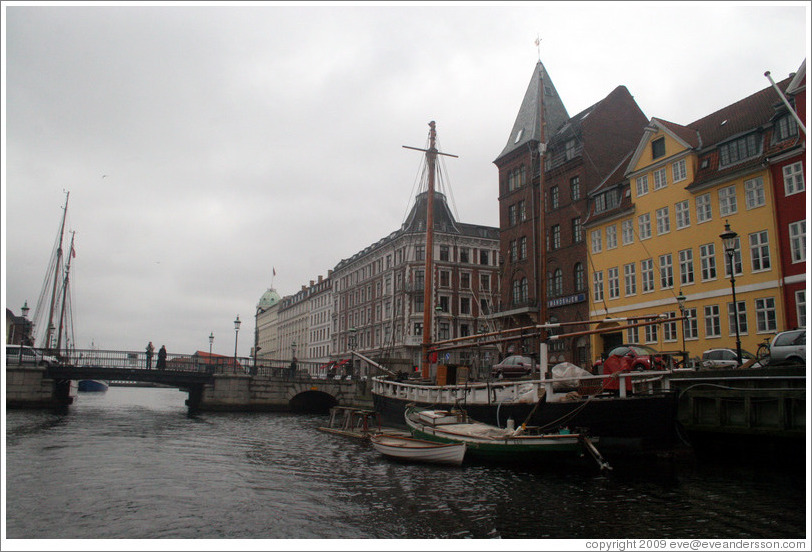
x=320 y=278
x=312 y=283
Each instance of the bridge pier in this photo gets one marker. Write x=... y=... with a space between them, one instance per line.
x=29 y=387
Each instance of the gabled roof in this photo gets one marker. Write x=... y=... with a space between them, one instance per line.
x=798 y=82
x=527 y=126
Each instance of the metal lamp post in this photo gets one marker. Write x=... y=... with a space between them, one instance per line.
x=681 y=303
x=730 y=239
x=236 y=335
x=211 y=342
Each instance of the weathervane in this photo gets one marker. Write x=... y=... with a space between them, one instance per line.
x=538 y=45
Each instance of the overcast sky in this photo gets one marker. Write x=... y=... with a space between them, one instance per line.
x=236 y=140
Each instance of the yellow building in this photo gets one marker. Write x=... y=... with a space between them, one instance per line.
x=654 y=234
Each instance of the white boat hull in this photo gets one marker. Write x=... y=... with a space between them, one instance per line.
x=417 y=450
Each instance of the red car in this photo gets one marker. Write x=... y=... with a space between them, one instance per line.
x=629 y=358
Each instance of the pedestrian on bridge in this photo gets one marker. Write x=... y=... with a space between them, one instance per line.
x=161 y=364
x=150 y=350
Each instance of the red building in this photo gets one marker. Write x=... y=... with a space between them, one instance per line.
x=788 y=169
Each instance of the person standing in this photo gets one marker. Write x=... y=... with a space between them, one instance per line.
x=161 y=364
x=150 y=350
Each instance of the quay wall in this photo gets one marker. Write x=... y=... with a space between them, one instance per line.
x=244 y=393
x=28 y=387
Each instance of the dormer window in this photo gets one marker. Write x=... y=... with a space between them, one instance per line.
x=739 y=150
x=785 y=127
x=518 y=136
x=658 y=148
x=570 y=149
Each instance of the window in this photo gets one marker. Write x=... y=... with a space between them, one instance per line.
x=513 y=215
x=657 y=148
x=418 y=305
x=703 y=208
x=611 y=237
x=797 y=241
x=465 y=280
x=517 y=292
x=578 y=273
x=800 y=307
x=420 y=253
x=516 y=178
x=465 y=305
x=597 y=286
x=793 y=178
x=660 y=180
x=596 y=241
x=731 y=317
x=570 y=149
x=663 y=222
x=642 y=185
x=418 y=328
x=444 y=253
x=644 y=224
x=647 y=274
x=678 y=171
x=630 y=279
x=627 y=230
x=686 y=266
x=444 y=303
x=557 y=283
x=464 y=252
x=713 y=324
x=754 y=193
x=514 y=252
x=651 y=333
x=765 y=315
x=633 y=335
x=484 y=257
x=556 y=230
x=683 y=214
x=785 y=127
x=485 y=282
x=707 y=261
x=614 y=283
x=727 y=201
x=691 y=331
x=523 y=247
x=575 y=187
x=666 y=271
x=577 y=230
x=739 y=150
x=445 y=278
x=760 y=251
x=670 y=328
x=737 y=260
x=554 y=197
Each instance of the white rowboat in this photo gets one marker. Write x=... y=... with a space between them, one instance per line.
x=417 y=450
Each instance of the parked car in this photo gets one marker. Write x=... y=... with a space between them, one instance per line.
x=789 y=346
x=627 y=358
x=21 y=354
x=724 y=358
x=514 y=366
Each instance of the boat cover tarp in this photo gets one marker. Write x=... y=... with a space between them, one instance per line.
x=567 y=375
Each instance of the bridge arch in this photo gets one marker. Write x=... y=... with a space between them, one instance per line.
x=303 y=397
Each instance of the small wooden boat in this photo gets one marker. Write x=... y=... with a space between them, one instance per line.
x=494 y=443
x=418 y=450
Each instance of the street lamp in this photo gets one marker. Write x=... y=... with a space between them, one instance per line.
x=730 y=240
x=681 y=303
x=211 y=342
x=352 y=343
x=236 y=334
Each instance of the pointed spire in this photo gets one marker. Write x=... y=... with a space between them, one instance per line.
x=540 y=92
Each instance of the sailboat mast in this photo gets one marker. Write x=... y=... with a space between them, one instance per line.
x=64 y=295
x=57 y=268
x=431 y=159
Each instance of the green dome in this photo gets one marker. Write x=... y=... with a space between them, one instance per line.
x=268 y=299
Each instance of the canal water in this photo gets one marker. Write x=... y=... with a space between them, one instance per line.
x=132 y=464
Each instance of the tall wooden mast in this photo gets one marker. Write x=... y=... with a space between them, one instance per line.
x=57 y=269
x=431 y=160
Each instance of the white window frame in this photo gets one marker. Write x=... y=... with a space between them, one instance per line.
x=742 y=308
x=647 y=275
x=678 y=171
x=644 y=226
x=760 y=251
x=633 y=335
x=713 y=322
x=666 y=271
x=704 y=210
x=765 y=315
x=642 y=185
x=707 y=261
x=738 y=266
x=597 y=242
x=686 y=266
x=691 y=324
x=663 y=221
x=627 y=230
x=597 y=285
x=797 y=241
x=611 y=237
x=630 y=279
x=727 y=201
x=613 y=281
x=660 y=178
x=651 y=333
x=793 y=178
x=754 y=195
x=800 y=307
x=670 y=328
x=682 y=213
